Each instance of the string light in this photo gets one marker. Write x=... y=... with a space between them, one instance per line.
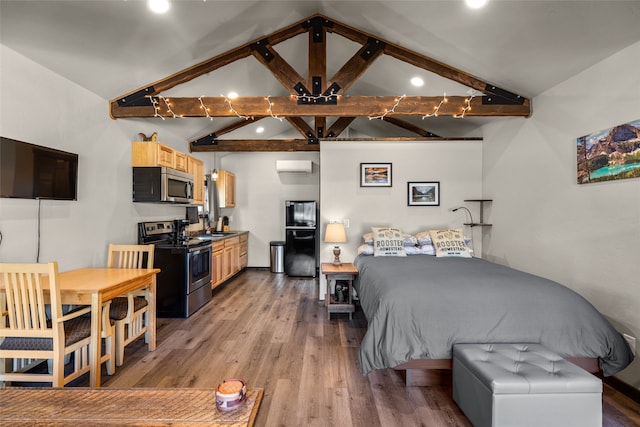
x=233 y=110
x=464 y=110
x=206 y=110
x=324 y=98
x=306 y=98
x=156 y=112
x=393 y=109
x=435 y=111
x=166 y=101
x=271 y=110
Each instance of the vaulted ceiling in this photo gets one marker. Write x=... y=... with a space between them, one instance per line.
x=316 y=95
x=115 y=47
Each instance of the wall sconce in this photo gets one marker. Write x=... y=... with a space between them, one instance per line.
x=335 y=233
x=214 y=175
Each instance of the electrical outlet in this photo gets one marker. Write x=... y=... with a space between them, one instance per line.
x=632 y=342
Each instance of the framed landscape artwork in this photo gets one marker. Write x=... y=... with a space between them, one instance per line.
x=423 y=193
x=375 y=174
x=609 y=154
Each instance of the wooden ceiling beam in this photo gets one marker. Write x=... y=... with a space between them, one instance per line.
x=237 y=125
x=287 y=106
x=289 y=145
x=338 y=126
x=357 y=65
x=217 y=61
x=420 y=61
x=410 y=127
x=301 y=126
x=281 y=69
x=236 y=145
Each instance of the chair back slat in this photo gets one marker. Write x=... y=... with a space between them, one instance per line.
x=130 y=256
x=24 y=289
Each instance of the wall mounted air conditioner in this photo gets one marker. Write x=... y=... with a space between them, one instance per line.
x=300 y=166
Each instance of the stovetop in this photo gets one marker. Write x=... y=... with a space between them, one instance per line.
x=165 y=234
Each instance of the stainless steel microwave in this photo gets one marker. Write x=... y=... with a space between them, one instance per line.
x=162 y=185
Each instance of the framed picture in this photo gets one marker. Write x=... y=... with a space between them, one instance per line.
x=423 y=193
x=375 y=174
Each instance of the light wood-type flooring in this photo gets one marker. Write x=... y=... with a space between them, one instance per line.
x=272 y=331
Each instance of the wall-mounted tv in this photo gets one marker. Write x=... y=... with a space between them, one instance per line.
x=29 y=171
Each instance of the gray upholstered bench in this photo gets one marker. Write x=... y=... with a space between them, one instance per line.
x=516 y=385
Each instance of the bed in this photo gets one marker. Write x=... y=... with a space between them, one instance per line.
x=418 y=306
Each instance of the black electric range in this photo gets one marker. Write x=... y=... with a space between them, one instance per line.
x=184 y=281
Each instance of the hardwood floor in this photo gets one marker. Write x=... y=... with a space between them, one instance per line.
x=273 y=332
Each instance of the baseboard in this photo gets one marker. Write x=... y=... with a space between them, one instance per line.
x=624 y=388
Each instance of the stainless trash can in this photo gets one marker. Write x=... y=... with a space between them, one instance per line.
x=277 y=257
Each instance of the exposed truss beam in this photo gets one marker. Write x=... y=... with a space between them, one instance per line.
x=238 y=145
x=287 y=106
x=319 y=103
x=410 y=127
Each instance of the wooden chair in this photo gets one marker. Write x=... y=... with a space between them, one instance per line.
x=130 y=311
x=27 y=333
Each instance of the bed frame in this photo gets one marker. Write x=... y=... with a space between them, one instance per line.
x=430 y=372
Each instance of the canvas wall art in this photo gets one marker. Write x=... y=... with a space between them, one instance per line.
x=609 y=154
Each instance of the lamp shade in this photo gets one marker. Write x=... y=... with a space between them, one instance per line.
x=335 y=233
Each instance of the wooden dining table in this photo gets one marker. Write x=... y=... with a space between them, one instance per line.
x=94 y=286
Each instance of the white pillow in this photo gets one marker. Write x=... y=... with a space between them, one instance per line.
x=424 y=238
x=408 y=239
x=365 y=249
x=388 y=241
x=450 y=243
x=426 y=250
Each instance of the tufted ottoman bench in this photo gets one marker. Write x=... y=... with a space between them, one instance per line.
x=516 y=385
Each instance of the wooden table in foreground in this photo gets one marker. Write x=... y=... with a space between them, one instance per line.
x=93 y=286
x=72 y=406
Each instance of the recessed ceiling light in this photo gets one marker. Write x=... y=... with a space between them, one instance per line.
x=476 y=4
x=232 y=95
x=158 y=6
x=417 y=81
x=259 y=129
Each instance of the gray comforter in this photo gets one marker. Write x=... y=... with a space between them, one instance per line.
x=418 y=306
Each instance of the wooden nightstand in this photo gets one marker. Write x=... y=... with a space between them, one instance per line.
x=346 y=272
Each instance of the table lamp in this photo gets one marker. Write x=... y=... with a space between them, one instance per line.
x=335 y=234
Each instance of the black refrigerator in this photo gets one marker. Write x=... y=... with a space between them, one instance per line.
x=301 y=240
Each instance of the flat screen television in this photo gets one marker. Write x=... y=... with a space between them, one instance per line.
x=29 y=171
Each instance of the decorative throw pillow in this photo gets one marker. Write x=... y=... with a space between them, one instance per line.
x=449 y=243
x=388 y=242
x=407 y=239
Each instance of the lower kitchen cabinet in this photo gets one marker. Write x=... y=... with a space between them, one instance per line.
x=229 y=256
x=217 y=259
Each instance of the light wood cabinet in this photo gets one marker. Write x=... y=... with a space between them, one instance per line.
x=180 y=161
x=229 y=256
x=244 y=251
x=152 y=153
x=217 y=259
x=226 y=184
x=196 y=168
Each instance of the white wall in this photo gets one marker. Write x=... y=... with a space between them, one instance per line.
x=261 y=193
x=583 y=236
x=40 y=107
x=456 y=164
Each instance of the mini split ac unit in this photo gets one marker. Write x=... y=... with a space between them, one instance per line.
x=301 y=166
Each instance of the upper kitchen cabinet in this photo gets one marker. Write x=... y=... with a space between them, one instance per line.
x=152 y=153
x=196 y=168
x=226 y=184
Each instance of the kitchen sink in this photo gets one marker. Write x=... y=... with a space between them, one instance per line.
x=216 y=235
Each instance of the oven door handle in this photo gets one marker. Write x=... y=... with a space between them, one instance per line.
x=196 y=251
